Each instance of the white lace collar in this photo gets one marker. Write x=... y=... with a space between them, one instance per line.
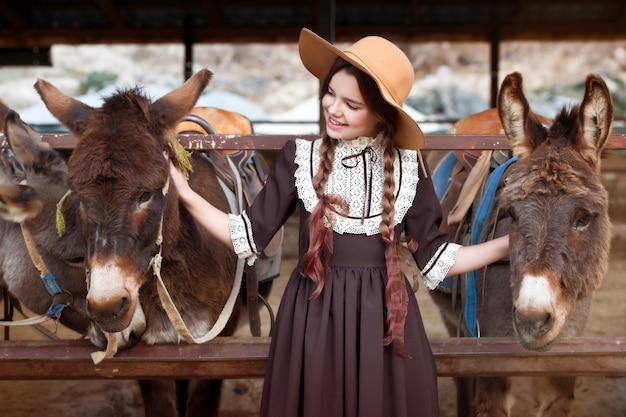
x=358 y=144
x=358 y=175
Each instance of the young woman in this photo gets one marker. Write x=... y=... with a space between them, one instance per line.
x=349 y=339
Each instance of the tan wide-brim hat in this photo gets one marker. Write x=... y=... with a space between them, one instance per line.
x=381 y=60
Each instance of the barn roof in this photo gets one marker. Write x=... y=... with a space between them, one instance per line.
x=28 y=23
x=28 y=28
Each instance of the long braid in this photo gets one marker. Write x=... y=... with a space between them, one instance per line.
x=389 y=198
x=320 y=236
x=396 y=295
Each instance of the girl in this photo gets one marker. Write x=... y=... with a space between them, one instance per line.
x=349 y=339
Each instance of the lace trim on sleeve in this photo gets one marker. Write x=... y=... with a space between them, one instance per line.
x=437 y=268
x=241 y=236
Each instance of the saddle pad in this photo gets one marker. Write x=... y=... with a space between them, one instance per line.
x=484 y=207
x=442 y=175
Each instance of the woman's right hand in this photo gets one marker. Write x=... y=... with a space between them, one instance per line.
x=208 y=216
x=179 y=181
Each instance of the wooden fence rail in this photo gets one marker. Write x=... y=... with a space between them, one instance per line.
x=245 y=357
x=274 y=142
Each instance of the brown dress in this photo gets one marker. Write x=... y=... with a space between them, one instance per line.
x=327 y=357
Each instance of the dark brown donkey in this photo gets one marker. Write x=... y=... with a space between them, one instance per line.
x=129 y=214
x=554 y=207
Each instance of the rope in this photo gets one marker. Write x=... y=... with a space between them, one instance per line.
x=177 y=320
x=26 y=322
x=32 y=251
x=110 y=351
x=49 y=281
x=60 y=213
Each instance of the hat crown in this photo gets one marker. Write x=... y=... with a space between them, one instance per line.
x=386 y=63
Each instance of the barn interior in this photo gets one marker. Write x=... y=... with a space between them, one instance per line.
x=29 y=29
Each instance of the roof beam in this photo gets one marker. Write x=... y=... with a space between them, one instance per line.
x=111 y=12
x=205 y=21
x=14 y=38
x=13 y=15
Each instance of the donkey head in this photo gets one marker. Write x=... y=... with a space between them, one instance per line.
x=32 y=177
x=560 y=234
x=119 y=173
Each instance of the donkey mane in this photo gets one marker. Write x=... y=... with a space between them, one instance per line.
x=125 y=118
x=127 y=99
x=565 y=127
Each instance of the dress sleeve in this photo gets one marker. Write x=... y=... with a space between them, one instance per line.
x=253 y=229
x=434 y=255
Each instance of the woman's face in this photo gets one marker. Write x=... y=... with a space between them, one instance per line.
x=347 y=117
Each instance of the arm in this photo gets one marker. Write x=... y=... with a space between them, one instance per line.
x=247 y=233
x=477 y=256
x=436 y=259
x=213 y=220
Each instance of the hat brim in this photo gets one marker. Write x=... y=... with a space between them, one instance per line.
x=318 y=56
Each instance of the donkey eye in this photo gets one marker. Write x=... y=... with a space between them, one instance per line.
x=77 y=262
x=582 y=221
x=144 y=197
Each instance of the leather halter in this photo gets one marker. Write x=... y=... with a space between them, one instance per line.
x=49 y=280
x=170 y=307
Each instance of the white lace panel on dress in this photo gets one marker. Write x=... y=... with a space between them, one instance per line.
x=358 y=176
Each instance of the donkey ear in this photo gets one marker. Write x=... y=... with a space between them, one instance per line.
x=172 y=107
x=4 y=109
x=596 y=116
x=72 y=113
x=520 y=124
x=24 y=141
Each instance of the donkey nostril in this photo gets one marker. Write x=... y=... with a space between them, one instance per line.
x=535 y=322
x=121 y=306
x=543 y=322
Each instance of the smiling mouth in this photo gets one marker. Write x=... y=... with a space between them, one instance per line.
x=333 y=122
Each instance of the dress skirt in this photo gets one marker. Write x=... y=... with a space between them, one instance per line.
x=327 y=357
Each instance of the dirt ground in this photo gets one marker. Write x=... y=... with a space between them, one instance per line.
x=595 y=396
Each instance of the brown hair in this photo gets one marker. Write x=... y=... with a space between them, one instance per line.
x=321 y=237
